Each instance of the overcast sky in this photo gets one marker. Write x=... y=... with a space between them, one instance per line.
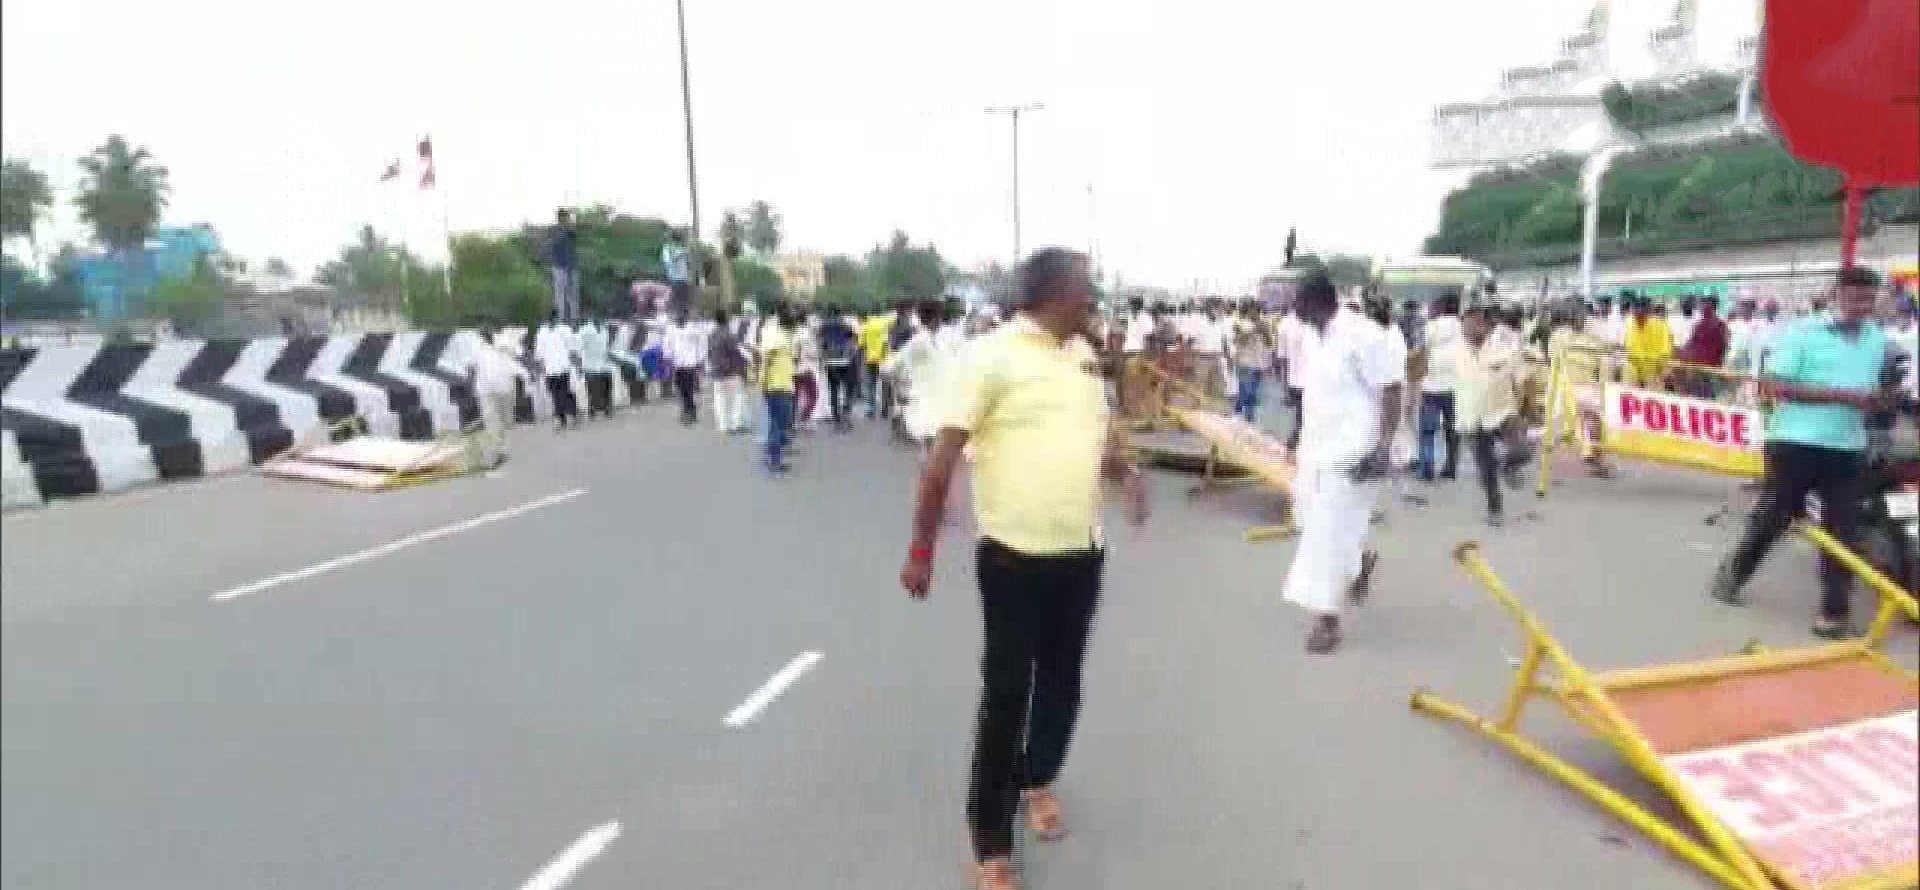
x=1203 y=128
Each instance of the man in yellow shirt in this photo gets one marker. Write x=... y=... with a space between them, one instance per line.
x=776 y=383
x=873 y=348
x=1649 y=347
x=1034 y=410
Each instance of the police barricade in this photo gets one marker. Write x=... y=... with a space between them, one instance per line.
x=353 y=459
x=1710 y=435
x=1236 y=453
x=1794 y=768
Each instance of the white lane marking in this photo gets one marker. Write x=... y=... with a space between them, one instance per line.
x=557 y=873
x=775 y=685
x=392 y=546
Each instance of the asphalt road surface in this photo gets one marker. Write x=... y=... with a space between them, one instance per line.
x=630 y=660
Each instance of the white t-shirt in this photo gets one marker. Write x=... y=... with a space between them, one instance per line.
x=555 y=348
x=1138 y=327
x=1682 y=328
x=593 y=349
x=685 y=345
x=1287 y=345
x=1342 y=373
x=1443 y=341
x=1209 y=335
x=493 y=370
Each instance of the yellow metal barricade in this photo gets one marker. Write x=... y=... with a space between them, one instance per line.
x=1713 y=436
x=1593 y=702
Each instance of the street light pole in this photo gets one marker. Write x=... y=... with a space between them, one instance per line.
x=693 y=186
x=1013 y=112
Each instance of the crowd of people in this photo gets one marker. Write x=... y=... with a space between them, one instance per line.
x=1024 y=404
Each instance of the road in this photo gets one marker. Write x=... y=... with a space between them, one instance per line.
x=557 y=657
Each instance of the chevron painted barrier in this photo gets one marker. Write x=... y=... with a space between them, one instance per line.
x=77 y=420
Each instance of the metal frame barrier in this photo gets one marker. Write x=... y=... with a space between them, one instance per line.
x=1588 y=698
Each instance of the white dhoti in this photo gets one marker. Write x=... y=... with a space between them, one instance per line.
x=1333 y=513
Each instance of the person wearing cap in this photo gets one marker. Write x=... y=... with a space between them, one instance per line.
x=1033 y=408
x=1352 y=383
x=1825 y=377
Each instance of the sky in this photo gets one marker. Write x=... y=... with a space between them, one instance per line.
x=1177 y=141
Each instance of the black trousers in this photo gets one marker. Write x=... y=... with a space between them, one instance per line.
x=1038 y=611
x=565 y=406
x=686 y=382
x=1297 y=405
x=1486 y=459
x=600 y=393
x=840 y=386
x=1793 y=471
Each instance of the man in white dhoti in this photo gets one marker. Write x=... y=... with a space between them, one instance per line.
x=1352 y=386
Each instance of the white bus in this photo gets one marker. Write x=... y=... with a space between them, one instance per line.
x=1425 y=279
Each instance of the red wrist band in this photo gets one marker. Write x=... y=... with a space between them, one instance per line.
x=920 y=552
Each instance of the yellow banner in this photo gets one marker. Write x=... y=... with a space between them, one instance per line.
x=1681 y=431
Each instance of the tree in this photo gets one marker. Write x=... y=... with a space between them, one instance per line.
x=901 y=271
x=732 y=234
x=278 y=268
x=24 y=195
x=192 y=300
x=763 y=228
x=122 y=194
x=371 y=267
x=754 y=281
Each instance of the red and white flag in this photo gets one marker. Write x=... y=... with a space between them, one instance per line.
x=427 y=179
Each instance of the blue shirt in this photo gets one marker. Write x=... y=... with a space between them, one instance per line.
x=674 y=257
x=1814 y=353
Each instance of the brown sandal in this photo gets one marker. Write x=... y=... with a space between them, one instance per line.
x=1043 y=814
x=995 y=874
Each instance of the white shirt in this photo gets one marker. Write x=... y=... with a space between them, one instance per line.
x=1137 y=329
x=555 y=348
x=593 y=349
x=1682 y=328
x=1443 y=343
x=655 y=335
x=1342 y=373
x=1209 y=335
x=685 y=345
x=1286 y=344
x=1613 y=329
x=493 y=370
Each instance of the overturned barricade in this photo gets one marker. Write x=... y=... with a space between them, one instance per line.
x=1791 y=769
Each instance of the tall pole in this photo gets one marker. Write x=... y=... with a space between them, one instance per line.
x=1013 y=112
x=693 y=187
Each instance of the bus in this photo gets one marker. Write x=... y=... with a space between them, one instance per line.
x=1276 y=289
x=1427 y=278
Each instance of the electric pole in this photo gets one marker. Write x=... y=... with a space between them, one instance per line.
x=1013 y=112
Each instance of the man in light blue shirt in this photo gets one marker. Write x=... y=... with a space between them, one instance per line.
x=1825 y=376
x=673 y=257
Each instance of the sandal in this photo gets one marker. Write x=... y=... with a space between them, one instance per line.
x=995 y=874
x=1324 y=639
x=1043 y=814
x=1363 y=583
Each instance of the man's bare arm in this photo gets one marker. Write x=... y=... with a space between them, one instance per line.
x=931 y=504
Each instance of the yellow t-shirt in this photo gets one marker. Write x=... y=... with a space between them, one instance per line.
x=873 y=337
x=776 y=357
x=1037 y=414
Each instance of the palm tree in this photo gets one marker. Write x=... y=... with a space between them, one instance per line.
x=121 y=195
x=763 y=228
